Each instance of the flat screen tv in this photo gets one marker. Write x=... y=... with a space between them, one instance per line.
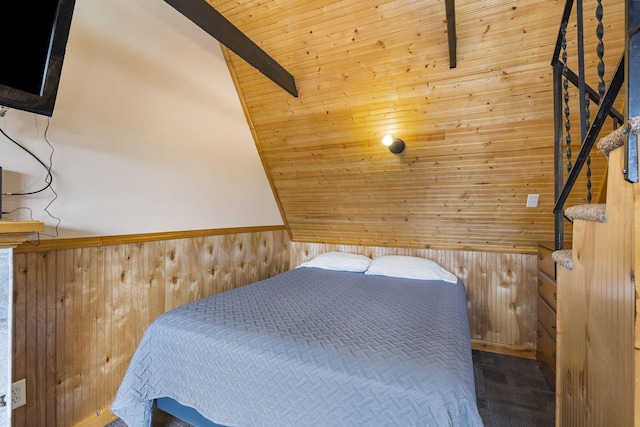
x=32 y=52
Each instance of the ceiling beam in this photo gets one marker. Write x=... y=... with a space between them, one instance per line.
x=451 y=31
x=210 y=20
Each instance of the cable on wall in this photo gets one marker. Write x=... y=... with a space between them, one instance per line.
x=48 y=181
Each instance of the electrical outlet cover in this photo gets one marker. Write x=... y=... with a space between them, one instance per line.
x=18 y=394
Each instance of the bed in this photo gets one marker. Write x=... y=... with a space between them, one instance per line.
x=325 y=344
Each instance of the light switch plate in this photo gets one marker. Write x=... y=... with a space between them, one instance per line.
x=532 y=200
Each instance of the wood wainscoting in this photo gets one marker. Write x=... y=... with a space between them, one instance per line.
x=501 y=290
x=81 y=309
x=79 y=313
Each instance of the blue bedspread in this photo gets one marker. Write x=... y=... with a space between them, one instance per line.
x=311 y=347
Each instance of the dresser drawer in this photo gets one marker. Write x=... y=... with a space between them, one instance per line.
x=545 y=262
x=547 y=290
x=546 y=353
x=547 y=317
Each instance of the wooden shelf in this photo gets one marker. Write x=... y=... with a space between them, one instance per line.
x=13 y=233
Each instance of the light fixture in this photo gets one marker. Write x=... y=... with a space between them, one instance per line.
x=396 y=145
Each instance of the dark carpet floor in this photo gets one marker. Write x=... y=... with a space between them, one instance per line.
x=511 y=392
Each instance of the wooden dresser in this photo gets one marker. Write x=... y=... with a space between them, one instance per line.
x=547 y=301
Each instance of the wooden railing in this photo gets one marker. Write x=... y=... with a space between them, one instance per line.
x=604 y=97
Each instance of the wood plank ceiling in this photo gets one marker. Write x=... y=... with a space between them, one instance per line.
x=479 y=137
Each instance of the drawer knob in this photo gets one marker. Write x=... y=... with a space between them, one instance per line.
x=555 y=296
x=540 y=257
x=539 y=282
x=539 y=334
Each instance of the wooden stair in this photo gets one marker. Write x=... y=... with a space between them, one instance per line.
x=596 y=315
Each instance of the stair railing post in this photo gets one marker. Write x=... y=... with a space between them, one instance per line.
x=632 y=72
x=558 y=143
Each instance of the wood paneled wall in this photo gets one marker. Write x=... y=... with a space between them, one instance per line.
x=479 y=137
x=501 y=290
x=80 y=313
x=597 y=384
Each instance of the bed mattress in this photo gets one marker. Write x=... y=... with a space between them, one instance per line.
x=311 y=347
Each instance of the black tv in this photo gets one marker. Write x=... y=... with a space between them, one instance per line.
x=32 y=52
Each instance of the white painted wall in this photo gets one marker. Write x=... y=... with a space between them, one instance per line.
x=6 y=333
x=148 y=134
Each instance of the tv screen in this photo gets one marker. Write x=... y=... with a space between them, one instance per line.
x=32 y=53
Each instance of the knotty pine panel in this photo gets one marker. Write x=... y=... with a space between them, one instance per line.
x=597 y=299
x=79 y=313
x=501 y=289
x=479 y=137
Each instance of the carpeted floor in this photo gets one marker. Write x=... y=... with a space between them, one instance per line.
x=511 y=392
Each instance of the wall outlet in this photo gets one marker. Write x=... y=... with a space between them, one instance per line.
x=18 y=394
x=532 y=200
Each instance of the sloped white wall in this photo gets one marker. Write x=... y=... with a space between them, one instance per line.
x=147 y=135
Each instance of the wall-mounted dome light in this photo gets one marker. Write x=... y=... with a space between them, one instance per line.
x=396 y=145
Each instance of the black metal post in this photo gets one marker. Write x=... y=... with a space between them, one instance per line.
x=558 y=166
x=632 y=72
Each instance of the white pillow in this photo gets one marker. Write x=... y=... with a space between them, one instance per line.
x=342 y=261
x=409 y=267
